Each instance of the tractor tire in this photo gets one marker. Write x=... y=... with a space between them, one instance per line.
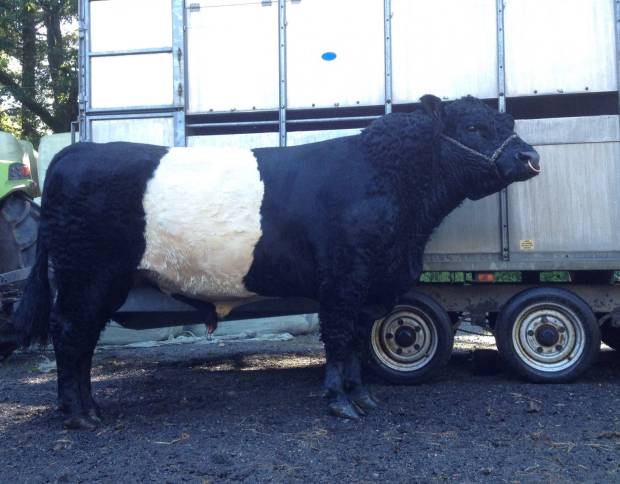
x=19 y=224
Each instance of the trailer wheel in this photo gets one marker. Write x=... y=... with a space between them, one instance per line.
x=611 y=336
x=411 y=342
x=548 y=335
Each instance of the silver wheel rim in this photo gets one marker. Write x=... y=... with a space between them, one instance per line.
x=548 y=337
x=404 y=324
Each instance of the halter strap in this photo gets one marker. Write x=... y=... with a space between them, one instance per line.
x=490 y=159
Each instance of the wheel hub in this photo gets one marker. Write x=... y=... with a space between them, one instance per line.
x=547 y=335
x=405 y=337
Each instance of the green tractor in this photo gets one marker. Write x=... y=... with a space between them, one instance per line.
x=19 y=222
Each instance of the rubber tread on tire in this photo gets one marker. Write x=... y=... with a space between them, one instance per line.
x=440 y=320
x=557 y=296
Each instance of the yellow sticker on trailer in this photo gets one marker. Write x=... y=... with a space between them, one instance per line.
x=527 y=244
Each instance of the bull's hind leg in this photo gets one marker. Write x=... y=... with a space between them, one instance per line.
x=74 y=343
x=77 y=320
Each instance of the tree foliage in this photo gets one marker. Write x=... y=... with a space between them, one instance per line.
x=38 y=66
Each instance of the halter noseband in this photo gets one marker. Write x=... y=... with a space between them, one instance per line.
x=491 y=159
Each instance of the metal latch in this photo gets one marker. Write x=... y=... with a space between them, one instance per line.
x=194 y=7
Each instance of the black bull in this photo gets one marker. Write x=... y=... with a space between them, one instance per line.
x=344 y=222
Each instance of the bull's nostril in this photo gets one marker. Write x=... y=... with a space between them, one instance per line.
x=528 y=156
x=532 y=159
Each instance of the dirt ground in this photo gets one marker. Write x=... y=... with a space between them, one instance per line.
x=253 y=412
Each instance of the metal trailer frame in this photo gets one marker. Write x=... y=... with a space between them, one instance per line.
x=284 y=120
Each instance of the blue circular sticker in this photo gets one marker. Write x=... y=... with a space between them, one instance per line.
x=328 y=56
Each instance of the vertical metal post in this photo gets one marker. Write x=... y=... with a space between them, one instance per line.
x=83 y=67
x=178 y=58
x=387 y=28
x=282 y=69
x=617 y=24
x=501 y=88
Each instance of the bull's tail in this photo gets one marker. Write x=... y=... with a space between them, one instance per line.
x=31 y=318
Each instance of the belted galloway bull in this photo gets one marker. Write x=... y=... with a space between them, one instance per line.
x=343 y=222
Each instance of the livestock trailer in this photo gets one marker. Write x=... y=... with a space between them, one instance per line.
x=252 y=73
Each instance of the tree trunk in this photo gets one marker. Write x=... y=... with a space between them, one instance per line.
x=29 y=64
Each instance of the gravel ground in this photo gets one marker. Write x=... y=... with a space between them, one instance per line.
x=253 y=412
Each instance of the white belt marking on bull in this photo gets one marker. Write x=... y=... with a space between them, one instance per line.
x=202 y=211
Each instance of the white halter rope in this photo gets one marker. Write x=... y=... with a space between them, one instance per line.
x=491 y=159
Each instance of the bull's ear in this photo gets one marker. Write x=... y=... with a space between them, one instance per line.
x=433 y=106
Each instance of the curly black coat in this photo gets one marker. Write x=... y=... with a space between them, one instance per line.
x=343 y=221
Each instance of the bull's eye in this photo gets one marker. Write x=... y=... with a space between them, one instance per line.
x=472 y=128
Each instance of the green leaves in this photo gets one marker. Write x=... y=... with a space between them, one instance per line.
x=38 y=65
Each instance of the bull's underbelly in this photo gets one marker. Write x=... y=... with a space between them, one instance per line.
x=202 y=210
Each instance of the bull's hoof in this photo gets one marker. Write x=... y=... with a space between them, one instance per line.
x=365 y=401
x=343 y=409
x=94 y=415
x=79 y=422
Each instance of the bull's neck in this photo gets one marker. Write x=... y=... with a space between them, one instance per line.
x=441 y=191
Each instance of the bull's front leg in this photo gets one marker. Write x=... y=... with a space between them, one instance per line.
x=340 y=307
x=357 y=390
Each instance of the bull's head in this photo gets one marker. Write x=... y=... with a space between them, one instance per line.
x=481 y=142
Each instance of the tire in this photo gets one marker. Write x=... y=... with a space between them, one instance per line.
x=592 y=277
x=19 y=223
x=548 y=335
x=611 y=337
x=411 y=342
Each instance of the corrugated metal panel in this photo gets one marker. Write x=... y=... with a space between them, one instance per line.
x=130 y=24
x=559 y=46
x=573 y=205
x=335 y=53
x=246 y=140
x=232 y=56
x=444 y=47
x=132 y=80
x=302 y=137
x=585 y=129
x=473 y=228
x=157 y=131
